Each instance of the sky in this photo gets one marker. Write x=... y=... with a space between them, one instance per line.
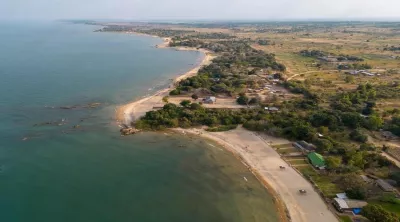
x=200 y=9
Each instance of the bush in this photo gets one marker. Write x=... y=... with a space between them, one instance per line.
x=195 y=96
x=357 y=136
x=254 y=100
x=185 y=103
x=376 y=213
x=242 y=100
x=367 y=147
x=354 y=186
x=323 y=145
x=333 y=162
x=174 y=92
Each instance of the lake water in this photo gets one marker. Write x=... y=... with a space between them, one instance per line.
x=59 y=164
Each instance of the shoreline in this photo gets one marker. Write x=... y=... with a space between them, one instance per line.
x=283 y=212
x=255 y=152
x=131 y=111
x=290 y=205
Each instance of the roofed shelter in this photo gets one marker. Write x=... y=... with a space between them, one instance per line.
x=317 y=160
x=210 y=100
x=385 y=186
x=351 y=205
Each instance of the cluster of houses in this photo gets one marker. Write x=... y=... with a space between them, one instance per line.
x=346 y=205
x=266 y=87
x=342 y=203
x=363 y=72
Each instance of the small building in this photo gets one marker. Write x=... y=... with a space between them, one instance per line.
x=304 y=146
x=328 y=58
x=341 y=195
x=388 y=135
x=385 y=186
x=271 y=109
x=317 y=160
x=366 y=179
x=349 y=205
x=210 y=100
x=367 y=73
x=353 y=72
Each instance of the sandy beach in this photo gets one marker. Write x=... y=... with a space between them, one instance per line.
x=136 y=109
x=256 y=152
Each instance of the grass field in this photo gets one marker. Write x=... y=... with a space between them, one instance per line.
x=345 y=219
x=297 y=161
x=325 y=184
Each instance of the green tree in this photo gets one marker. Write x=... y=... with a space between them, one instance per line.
x=165 y=99
x=333 y=162
x=358 y=136
x=254 y=100
x=376 y=213
x=323 y=145
x=196 y=106
x=185 y=103
x=195 y=96
x=352 y=120
x=243 y=100
x=374 y=122
x=357 y=159
x=354 y=186
x=174 y=92
x=323 y=129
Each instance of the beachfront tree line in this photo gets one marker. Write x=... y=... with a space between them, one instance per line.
x=350 y=112
x=344 y=124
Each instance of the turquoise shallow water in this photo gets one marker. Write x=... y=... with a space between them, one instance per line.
x=55 y=172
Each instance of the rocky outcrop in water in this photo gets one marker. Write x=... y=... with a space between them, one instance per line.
x=129 y=131
x=86 y=106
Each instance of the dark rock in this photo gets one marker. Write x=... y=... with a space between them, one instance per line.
x=129 y=131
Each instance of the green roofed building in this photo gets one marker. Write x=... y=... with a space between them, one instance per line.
x=317 y=160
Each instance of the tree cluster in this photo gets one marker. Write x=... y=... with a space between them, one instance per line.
x=192 y=114
x=376 y=213
x=357 y=66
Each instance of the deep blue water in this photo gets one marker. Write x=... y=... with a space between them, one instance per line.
x=51 y=169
